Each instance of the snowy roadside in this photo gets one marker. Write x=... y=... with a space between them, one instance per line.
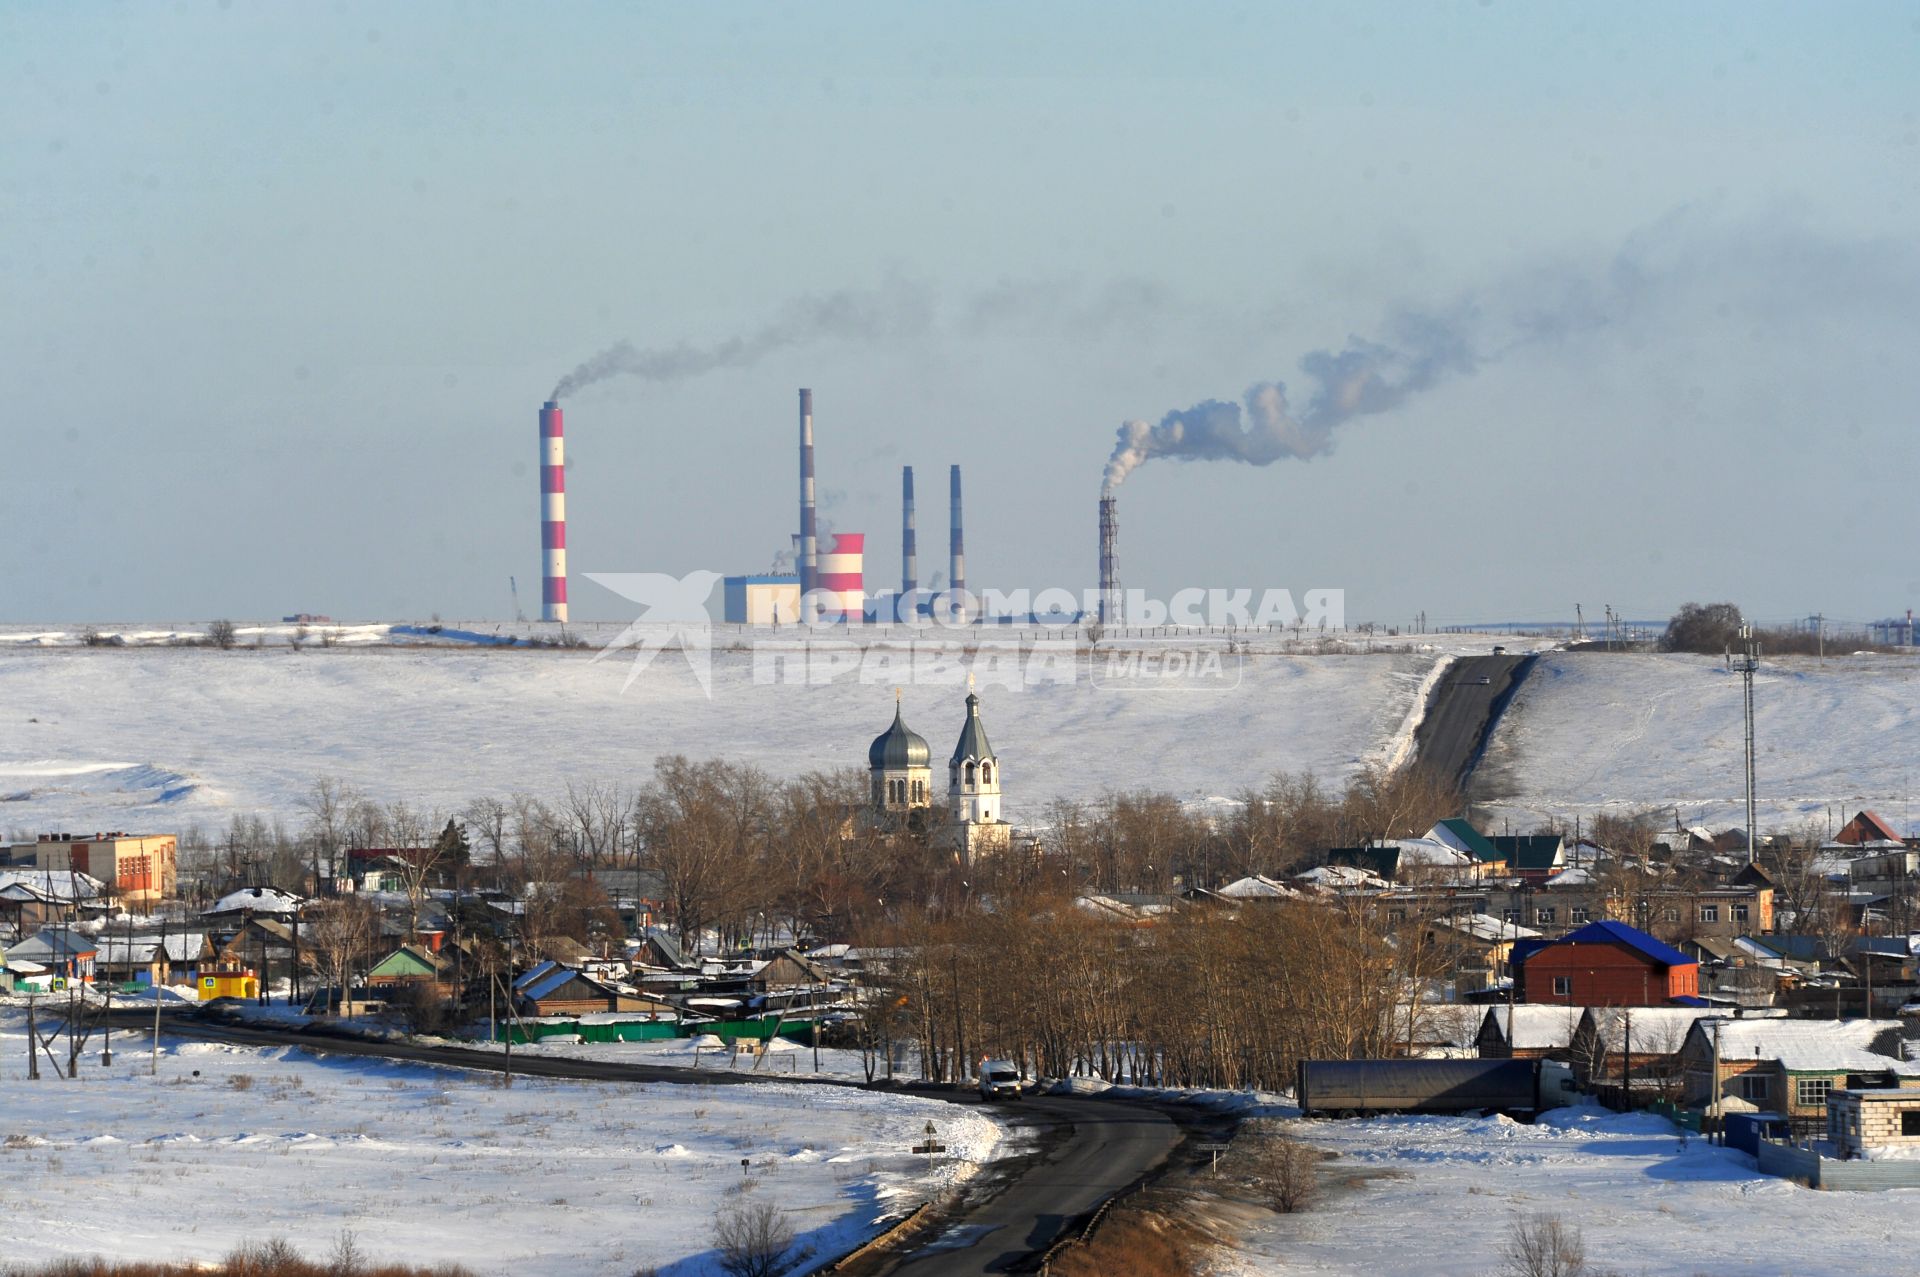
x=425 y=1164
x=1436 y=1195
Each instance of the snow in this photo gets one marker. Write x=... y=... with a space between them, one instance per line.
x=422 y=1163
x=1538 y=1028
x=158 y=737
x=1813 y=1045
x=1597 y=732
x=1436 y=1195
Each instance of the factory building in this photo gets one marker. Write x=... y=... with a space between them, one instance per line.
x=141 y=868
x=761 y=600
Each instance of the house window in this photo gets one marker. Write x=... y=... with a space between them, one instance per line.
x=1509 y=915
x=1739 y=913
x=1396 y=915
x=1755 y=1087
x=1673 y=915
x=1709 y=913
x=1577 y=914
x=1563 y=986
x=1910 y=1122
x=1812 y=1092
x=1544 y=916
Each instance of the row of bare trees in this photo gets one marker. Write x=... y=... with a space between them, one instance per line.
x=1209 y=997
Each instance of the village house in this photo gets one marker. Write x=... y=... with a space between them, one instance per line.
x=1604 y=964
x=32 y=898
x=151 y=960
x=143 y=869
x=1790 y=1067
x=550 y=989
x=1872 y=1122
x=1649 y=1041
x=1475 y=948
x=1528 y=1032
x=65 y=954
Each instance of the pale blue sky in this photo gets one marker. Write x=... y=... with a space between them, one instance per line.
x=285 y=286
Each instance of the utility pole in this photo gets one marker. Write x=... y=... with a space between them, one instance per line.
x=1719 y=1127
x=1744 y=665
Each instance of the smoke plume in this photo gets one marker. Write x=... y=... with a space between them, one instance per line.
x=1363 y=378
x=895 y=310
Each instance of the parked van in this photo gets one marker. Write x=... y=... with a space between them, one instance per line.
x=999 y=1080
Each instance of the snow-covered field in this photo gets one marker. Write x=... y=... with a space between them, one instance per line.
x=432 y=1165
x=1443 y=1191
x=1591 y=732
x=155 y=738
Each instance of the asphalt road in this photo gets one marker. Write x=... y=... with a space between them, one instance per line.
x=1108 y=1147
x=1089 y=1149
x=1462 y=711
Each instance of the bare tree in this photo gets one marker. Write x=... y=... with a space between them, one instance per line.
x=339 y=935
x=1286 y=1170
x=327 y=803
x=221 y=634
x=1543 y=1246
x=752 y=1236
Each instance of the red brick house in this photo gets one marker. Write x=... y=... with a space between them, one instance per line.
x=1605 y=964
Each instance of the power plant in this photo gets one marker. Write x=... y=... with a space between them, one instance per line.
x=827 y=583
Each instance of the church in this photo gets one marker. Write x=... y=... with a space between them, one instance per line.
x=901 y=767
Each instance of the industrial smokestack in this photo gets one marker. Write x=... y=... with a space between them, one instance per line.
x=1109 y=582
x=909 y=556
x=957 y=574
x=808 y=548
x=553 y=514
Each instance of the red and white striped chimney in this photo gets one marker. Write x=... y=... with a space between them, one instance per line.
x=841 y=581
x=553 y=514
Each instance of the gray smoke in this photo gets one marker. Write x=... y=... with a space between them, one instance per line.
x=896 y=310
x=1363 y=378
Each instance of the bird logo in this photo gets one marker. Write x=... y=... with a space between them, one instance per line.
x=673 y=615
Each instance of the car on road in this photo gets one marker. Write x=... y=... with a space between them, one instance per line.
x=999 y=1080
x=1484 y=681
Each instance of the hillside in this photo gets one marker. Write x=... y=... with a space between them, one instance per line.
x=1592 y=732
x=162 y=737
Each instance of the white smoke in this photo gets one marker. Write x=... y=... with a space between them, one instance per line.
x=895 y=310
x=1364 y=378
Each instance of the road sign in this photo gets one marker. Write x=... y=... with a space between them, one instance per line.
x=929 y=1148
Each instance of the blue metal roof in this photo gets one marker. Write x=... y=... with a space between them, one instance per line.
x=1639 y=941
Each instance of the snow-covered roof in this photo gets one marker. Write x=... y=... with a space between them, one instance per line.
x=1430 y=852
x=119 y=950
x=1537 y=1028
x=1577 y=877
x=1339 y=876
x=1657 y=1030
x=1485 y=927
x=258 y=899
x=1257 y=887
x=1813 y=1046
x=50 y=885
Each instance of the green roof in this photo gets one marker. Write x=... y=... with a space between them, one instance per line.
x=1529 y=851
x=404 y=961
x=1472 y=839
x=1381 y=862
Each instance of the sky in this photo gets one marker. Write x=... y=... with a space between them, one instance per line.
x=287 y=284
